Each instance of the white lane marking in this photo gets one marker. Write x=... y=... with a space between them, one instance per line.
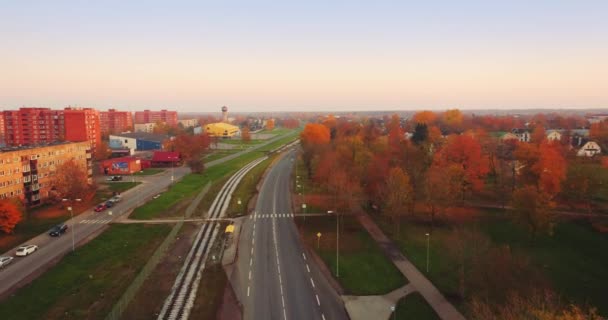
x=307 y=268
x=318 y=302
x=313 y=283
x=303 y=255
x=248 y=291
x=252 y=250
x=250 y=261
x=323 y=316
x=249 y=274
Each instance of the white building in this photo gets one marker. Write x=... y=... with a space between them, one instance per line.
x=188 y=123
x=589 y=149
x=145 y=127
x=554 y=135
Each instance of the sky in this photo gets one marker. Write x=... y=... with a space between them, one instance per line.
x=312 y=55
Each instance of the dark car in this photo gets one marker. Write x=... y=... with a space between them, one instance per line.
x=100 y=207
x=109 y=204
x=58 y=230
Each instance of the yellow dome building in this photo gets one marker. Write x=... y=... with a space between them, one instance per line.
x=222 y=130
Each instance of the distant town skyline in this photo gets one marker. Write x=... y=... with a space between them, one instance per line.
x=304 y=56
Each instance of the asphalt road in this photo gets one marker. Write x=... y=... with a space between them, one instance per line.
x=89 y=224
x=83 y=226
x=277 y=280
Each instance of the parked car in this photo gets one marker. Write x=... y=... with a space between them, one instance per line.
x=58 y=230
x=100 y=207
x=25 y=250
x=116 y=198
x=4 y=261
x=109 y=204
x=114 y=178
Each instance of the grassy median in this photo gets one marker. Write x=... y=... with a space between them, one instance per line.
x=364 y=270
x=86 y=283
x=192 y=183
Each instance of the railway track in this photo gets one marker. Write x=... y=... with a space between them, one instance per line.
x=183 y=293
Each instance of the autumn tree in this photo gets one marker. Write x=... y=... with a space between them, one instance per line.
x=270 y=124
x=550 y=168
x=313 y=137
x=425 y=117
x=245 y=134
x=102 y=151
x=10 y=215
x=397 y=195
x=191 y=149
x=532 y=210
x=452 y=120
x=71 y=181
x=443 y=184
x=538 y=135
x=599 y=133
x=464 y=151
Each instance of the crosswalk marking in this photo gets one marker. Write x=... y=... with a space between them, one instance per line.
x=273 y=215
x=95 y=221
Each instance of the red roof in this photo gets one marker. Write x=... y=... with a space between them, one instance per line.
x=166 y=156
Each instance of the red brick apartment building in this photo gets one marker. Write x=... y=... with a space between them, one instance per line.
x=82 y=124
x=35 y=126
x=31 y=126
x=147 y=116
x=29 y=173
x=113 y=121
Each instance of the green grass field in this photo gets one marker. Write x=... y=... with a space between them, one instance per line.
x=571 y=259
x=86 y=283
x=413 y=306
x=364 y=270
x=190 y=185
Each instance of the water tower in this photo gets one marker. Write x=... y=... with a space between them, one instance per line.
x=225 y=114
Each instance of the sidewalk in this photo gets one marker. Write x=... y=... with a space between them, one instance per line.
x=444 y=309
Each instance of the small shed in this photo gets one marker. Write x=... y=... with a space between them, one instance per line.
x=118 y=166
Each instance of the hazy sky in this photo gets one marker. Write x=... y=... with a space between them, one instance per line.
x=304 y=55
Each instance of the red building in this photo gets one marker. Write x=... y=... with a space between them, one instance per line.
x=124 y=165
x=113 y=121
x=166 y=159
x=82 y=124
x=147 y=116
x=33 y=126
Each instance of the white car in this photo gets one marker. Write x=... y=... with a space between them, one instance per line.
x=4 y=261
x=25 y=250
x=116 y=198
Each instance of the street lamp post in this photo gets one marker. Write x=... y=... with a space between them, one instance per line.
x=428 y=240
x=72 y=219
x=337 y=243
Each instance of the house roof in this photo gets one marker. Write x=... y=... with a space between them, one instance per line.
x=166 y=156
x=143 y=136
x=221 y=125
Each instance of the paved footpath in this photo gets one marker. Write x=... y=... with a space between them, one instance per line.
x=436 y=300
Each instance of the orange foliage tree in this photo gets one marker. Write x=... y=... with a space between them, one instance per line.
x=71 y=181
x=531 y=208
x=426 y=117
x=464 y=151
x=398 y=195
x=191 y=148
x=270 y=124
x=452 y=120
x=245 y=134
x=538 y=135
x=10 y=215
x=102 y=151
x=599 y=133
x=550 y=168
x=313 y=137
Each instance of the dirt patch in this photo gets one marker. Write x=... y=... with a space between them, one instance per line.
x=230 y=309
x=149 y=300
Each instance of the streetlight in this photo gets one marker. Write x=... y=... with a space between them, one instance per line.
x=72 y=218
x=337 y=243
x=428 y=240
